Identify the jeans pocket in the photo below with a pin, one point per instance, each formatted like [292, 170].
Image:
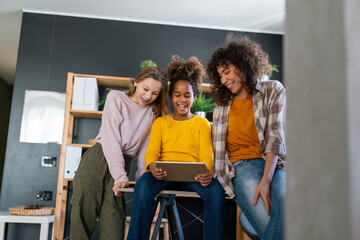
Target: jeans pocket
[240, 162]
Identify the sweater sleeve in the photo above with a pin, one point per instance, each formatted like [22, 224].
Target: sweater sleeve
[154, 145]
[111, 141]
[205, 148]
[141, 169]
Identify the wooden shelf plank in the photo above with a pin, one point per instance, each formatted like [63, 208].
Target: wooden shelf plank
[84, 146]
[205, 87]
[114, 82]
[109, 81]
[86, 114]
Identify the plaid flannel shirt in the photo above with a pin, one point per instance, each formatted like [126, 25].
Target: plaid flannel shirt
[269, 102]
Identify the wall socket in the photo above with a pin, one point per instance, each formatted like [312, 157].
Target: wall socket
[44, 195]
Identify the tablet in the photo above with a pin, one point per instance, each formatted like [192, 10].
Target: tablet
[181, 171]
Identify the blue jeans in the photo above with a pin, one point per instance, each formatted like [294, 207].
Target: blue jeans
[248, 174]
[146, 189]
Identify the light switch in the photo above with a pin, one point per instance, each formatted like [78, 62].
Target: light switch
[48, 161]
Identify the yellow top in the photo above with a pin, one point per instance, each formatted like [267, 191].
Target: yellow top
[242, 136]
[180, 141]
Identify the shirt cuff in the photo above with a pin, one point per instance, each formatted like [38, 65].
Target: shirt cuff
[122, 179]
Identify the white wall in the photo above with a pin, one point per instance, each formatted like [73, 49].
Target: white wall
[321, 58]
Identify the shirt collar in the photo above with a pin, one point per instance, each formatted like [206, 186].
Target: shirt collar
[260, 87]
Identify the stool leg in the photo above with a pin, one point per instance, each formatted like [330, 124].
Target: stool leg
[166, 231]
[177, 217]
[178, 223]
[163, 204]
[2, 229]
[44, 230]
[52, 231]
[151, 231]
[126, 229]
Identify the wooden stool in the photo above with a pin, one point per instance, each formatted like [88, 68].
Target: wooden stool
[6, 217]
[164, 225]
[166, 199]
[247, 227]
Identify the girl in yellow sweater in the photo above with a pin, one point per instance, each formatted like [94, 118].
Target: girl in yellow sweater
[184, 137]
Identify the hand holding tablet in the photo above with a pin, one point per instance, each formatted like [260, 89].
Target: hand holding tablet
[181, 171]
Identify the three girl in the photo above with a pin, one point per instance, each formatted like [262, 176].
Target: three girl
[248, 136]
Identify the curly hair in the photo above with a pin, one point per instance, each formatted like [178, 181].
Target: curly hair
[191, 70]
[245, 55]
[159, 106]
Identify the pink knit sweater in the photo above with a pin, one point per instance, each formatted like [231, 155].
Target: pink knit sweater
[125, 129]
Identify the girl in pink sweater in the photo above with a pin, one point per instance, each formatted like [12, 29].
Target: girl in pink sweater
[124, 134]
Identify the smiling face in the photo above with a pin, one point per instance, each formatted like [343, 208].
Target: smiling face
[146, 91]
[231, 77]
[182, 99]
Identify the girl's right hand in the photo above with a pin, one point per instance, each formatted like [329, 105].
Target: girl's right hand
[117, 186]
[158, 173]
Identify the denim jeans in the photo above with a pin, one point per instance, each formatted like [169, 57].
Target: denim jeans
[248, 174]
[146, 189]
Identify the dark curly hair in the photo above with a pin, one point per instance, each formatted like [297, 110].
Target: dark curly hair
[245, 55]
[191, 70]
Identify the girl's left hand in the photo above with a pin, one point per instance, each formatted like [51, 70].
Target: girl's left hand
[263, 191]
[204, 178]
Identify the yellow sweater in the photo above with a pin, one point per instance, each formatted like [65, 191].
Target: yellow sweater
[180, 141]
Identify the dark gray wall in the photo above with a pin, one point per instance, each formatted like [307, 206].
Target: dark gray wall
[5, 104]
[50, 46]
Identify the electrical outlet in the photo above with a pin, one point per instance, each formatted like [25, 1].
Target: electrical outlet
[47, 195]
[44, 195]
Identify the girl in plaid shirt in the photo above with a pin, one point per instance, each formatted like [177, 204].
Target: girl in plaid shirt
[249, 133]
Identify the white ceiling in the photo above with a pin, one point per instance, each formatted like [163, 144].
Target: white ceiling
[237, 15]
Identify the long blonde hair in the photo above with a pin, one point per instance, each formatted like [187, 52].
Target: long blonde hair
[160, 106]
